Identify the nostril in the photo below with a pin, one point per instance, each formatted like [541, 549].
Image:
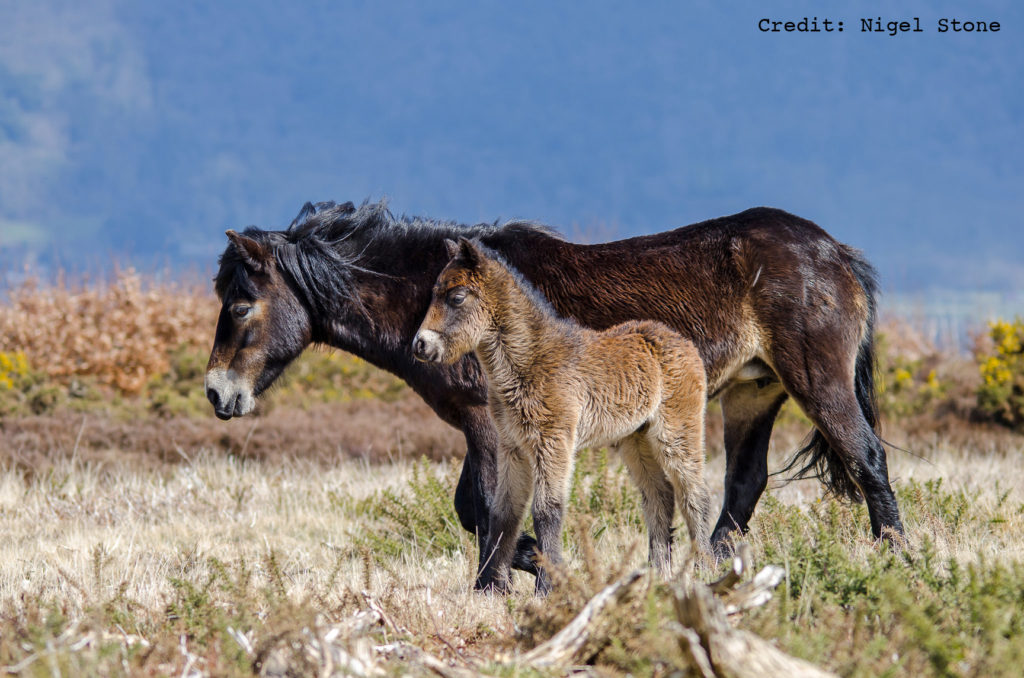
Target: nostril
[419, 346]
[212, 396]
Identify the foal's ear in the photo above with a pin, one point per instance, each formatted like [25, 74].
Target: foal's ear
[253, 254]
[469, 252]
[451, 247]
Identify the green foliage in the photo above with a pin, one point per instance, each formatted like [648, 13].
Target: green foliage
[421, 517]
[179, 391]
[331, 376]
[847, 603]
[889, 613]
[208, 604]
[24, 390]
[602, 488]
[1001, 364]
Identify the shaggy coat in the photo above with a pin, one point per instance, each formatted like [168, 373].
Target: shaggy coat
[554, 387]
[776, 307]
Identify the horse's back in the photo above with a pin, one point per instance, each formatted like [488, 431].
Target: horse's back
[729, 284]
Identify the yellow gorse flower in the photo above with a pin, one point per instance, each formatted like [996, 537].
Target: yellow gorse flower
[13, 367]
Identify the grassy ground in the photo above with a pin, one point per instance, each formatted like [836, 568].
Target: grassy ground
[219, 565]
[141, 536]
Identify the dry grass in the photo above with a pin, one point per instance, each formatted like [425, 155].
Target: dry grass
[124, 552]
[144, 537]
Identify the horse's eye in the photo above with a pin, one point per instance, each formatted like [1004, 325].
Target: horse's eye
[242, 310]
[457, 297]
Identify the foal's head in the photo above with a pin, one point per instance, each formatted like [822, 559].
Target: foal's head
[459, 314]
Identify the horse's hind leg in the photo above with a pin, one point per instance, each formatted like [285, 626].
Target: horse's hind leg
[680, 446]
[749, 411]
[656, 496]
[849, 446]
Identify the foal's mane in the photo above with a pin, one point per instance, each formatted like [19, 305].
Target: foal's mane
[328, 243]
[529, 290]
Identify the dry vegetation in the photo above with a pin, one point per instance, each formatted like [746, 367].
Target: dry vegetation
[144, 537]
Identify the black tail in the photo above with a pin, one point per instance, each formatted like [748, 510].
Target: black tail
[817, 458]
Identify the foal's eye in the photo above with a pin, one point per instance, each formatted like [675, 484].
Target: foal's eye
[242, 310]
[457, 297]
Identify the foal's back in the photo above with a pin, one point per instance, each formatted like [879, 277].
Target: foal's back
[633, 376]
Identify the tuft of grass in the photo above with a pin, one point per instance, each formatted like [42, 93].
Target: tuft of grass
[419, 517]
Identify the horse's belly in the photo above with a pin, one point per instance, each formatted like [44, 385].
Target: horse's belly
[609, 426]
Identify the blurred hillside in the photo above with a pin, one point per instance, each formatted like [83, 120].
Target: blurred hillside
[144, 130]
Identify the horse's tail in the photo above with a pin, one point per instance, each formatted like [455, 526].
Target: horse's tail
[818, 458]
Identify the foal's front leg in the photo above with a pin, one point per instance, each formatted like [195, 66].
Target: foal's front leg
[551, 492]
[514, 482]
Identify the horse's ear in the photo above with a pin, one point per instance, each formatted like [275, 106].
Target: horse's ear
[253, 254]
[469, 252]
[451, 247]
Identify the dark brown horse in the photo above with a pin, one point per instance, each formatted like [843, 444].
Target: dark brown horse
[776, 307]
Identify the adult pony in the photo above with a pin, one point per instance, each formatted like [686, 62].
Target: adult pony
[776, 307]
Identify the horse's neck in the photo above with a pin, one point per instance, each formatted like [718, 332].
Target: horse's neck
[379, 327]
[522, 334]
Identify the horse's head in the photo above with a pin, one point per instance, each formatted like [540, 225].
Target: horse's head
[262, 327]
[458, 315]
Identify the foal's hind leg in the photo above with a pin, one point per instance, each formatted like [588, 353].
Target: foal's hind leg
[656, 495]
[679, 446]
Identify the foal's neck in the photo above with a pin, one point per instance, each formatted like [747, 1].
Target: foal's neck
[523, 335]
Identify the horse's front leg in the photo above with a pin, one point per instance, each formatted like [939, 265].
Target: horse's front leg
[476, 489]
[551, 493]
[512, 491]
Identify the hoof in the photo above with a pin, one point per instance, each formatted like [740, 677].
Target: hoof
[526, 553]
[496, 587]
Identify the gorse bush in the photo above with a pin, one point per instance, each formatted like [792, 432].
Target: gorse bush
[420, 517]
[1001, 364]
[908, 382]
[914, 612]
[13, 369]
[24, 390]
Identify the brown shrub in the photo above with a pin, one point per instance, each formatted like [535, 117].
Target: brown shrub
[121, 332]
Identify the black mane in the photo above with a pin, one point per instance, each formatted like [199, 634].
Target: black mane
[327, 244]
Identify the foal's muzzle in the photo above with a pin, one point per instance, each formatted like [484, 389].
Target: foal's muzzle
[427, 347]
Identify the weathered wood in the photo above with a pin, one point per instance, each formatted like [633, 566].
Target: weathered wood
[561, 648]
[733, 653]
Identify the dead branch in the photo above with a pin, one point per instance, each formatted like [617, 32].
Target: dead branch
[561, 648]
[729, 652]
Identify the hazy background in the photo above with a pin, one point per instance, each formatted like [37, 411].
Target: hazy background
[143, 130]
